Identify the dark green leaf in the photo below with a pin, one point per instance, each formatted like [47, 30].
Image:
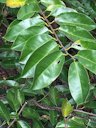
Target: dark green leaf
[4, 112]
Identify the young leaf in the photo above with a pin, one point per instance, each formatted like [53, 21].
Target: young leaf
[67, 109]
[48, 70]
[4, 112]
[88, 59]
[78, 82]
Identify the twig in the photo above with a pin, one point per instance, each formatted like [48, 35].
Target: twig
[23, 106]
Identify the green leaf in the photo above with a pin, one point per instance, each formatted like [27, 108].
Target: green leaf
[58, 10]
[91, 105]
[88, 59]
[78, 82]
[24, 41]
[76, 19]
[36, 57]
[22, 124]
[76, 33]
[20, 96]
[54, 96]
[53, 117]
[67, 109]
[30, 113]
[87, 44]
[10, 83]
[27, 11]
[4, 112]
[74, 122]
[52, 63]
[51, 2]
[17, 27]
[30, 47]
[15, 98]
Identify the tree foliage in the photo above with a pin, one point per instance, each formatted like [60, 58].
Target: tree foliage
[52, 46]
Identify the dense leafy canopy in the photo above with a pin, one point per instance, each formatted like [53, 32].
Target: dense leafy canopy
[52, 46]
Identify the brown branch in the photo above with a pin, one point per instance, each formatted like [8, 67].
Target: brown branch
[45, 107]
[54, 33]
[23, 106]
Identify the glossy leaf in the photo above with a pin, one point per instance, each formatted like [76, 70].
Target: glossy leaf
[18, 27]
[4, 112]
[52, 63]
[78, 82]
[24, 41]
[76, 33]
[22, 124]
[59, 10]
[67, 109]
[88, 59]
[37, 56]
[76, 19]
[27, 11]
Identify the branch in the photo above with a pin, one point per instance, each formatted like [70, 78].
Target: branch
[54, 33]
[23, 106]
[45, 107]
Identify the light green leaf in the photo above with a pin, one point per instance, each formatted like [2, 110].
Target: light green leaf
[67, 109]
[78, 82]
[52, 63]
[17, 27]
[37, 56]
[4, 112]
[76, 19]
[27, 11]
[22, 124]
[76, 33]
[88, 59]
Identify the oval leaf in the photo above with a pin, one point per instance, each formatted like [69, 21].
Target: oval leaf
[48, 70]
[67, 109]
[78, 82]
